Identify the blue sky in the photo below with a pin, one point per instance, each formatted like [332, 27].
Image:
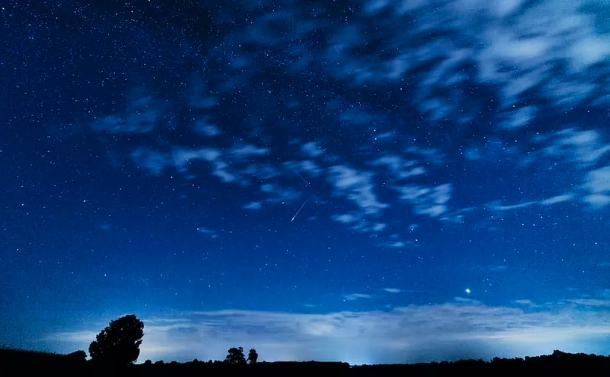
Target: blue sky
[365, 181]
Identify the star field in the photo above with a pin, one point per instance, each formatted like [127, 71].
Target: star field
[364, 181]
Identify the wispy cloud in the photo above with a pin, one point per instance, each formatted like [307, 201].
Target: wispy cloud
[590, 302]
[246, 151]
[356, 221]
[182, 156]
[253, 205]
[357, 187]
[209, 232]
[141, 115]
[279, 193]
[221, 170]
[583, 148]
[393, 290]
[399, 167]
[150, 159]
[395, 244]
[203, 126]
[356, 296]
[525, 302]
[557, 199]
[311, 149]
[597, 182]
[496, 206]
[429, 201]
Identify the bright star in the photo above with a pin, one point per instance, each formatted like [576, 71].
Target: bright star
[467, 290]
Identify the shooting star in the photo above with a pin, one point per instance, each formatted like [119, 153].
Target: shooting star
[299, 174]
[296, 214]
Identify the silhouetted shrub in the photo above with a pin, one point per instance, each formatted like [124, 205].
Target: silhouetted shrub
[79, 356]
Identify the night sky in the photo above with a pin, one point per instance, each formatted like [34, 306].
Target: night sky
[363, 181]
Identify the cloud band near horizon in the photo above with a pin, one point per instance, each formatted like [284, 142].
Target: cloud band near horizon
[462, 328]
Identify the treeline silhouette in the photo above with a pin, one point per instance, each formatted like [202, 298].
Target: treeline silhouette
[116, 348]
[14, 362]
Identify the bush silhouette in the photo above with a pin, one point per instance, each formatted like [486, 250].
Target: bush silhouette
[235, 356]
[79, 356]
[119, 343]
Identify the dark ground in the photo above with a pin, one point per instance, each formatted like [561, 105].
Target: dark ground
[18, 362]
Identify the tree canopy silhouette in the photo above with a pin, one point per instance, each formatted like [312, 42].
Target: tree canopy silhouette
[252, 356]
[235, 356]
[119, 343]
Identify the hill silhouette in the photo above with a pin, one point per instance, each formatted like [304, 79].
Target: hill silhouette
[14, 362]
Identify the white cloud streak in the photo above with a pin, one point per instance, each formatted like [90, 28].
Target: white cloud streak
[357, 187]
[597, 182]
[393, 290]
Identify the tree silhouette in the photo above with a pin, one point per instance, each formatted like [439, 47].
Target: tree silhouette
[119, 343]
[235, 356]
[252, 356]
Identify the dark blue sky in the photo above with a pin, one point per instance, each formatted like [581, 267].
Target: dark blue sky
[365, 181]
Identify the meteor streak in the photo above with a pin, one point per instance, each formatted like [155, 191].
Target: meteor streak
[296, 214]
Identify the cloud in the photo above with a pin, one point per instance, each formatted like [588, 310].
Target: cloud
[525, 302]
[597, 182]
[311, 149]
[150, 159]
[395, 244]
[198, 99]
[496, 206]
[427, 201]
[597, 200]
[182, 156]
[356, 222]
[304, 169]
[206, 128]
[279, 194]
[357, 187]
[458, 329]
[253, 206]
[583, 148]
[247, 150]
[210, 232]
[399, 167]
[590, 302]
[393, 290]
[356, 296]
[557, 199]
[220, 169]
[142, 114]
[345, 218]
[518, 118]
[475, 32]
